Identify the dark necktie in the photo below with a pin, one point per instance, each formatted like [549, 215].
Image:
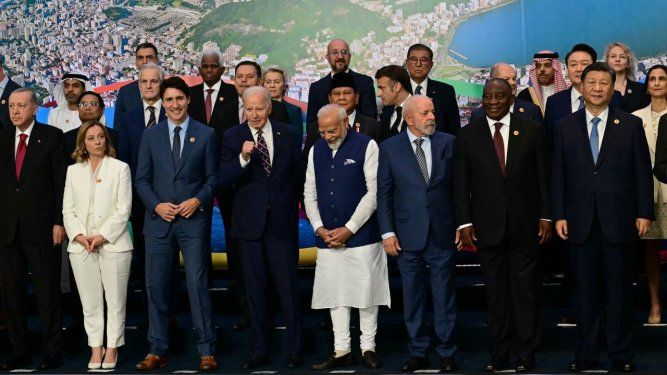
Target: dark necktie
[418, 90]
[209, 105]
[151, 118]
[595, 139]
[20, 154]
[263, 152]
[397, 122]
[176, 147]
[581, 102]
[500, 146]
[421, 158]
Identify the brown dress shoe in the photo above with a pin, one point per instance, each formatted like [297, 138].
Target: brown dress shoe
[152, 362]
[207, 363]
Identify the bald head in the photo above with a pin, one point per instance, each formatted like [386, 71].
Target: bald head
[505, 71]
[338, 55]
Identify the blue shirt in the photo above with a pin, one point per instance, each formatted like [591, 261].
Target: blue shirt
[184, 131]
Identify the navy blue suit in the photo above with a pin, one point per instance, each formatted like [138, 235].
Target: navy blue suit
[523, 109]
[318, 96]
[158, 180]
[265, 220]
[601, 202]
[559, 106]
[128, 98]
[422, 217]
[447, 117]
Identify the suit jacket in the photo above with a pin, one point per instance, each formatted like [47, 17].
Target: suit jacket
[635, 97]
[32, 205]
[158, 181]
[385, 123]
[113, 202]
[523, 109]
[4, 103]
[406, 204]
[497, 204]
[130, 130]
[362, 124]
[128, 98]
[617, 189]
[318, 95]
[559, 106]
[447, 117]
[271, 199]
[70, 142]
[660, 166]
[225, 108]
[645, 115]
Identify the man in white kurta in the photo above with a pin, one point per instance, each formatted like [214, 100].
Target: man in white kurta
[340, 200]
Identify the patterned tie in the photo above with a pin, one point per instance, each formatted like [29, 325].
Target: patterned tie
[397, 122]
[209, 105]
[151, 118]
[176, 147]
[581, 102]
[20, 154]
[595, 139]
[263, 152]
[418, 90]
[421, 158]
[500, 146]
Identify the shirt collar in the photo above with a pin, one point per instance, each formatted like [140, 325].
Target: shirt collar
[414, 85]
[332, 73]
[215, 87]
[27, 131]
[351, 117]
[602, 116]
[574, 95]
[266, 129]
[505, 120]
[183, 126]
[412, 137]
[157, 105]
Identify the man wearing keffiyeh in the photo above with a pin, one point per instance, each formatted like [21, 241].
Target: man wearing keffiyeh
[546, 79]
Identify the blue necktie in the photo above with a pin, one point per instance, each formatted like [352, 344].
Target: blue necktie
[595, 139]
[176, 147]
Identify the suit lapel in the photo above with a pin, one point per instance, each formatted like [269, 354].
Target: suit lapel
[436, 150]
[35, 144]
[513, 143]
[9, 148]
[163, 134]
[487, 146]
[585, 138]
[278, 143]
[610, 131]
[188, 143]
[410, 156]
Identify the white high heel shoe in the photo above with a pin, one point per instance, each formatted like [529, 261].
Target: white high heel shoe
[97, 365]
[111, 365]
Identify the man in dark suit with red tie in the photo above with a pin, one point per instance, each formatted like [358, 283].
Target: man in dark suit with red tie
[419, 63]
[32, 181]
[602, 191]
[503, 208]
[393, 88]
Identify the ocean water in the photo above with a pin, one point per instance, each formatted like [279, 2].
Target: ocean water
[512, 33]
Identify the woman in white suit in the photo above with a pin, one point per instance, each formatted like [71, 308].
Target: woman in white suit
[96, 210]
[656, 86]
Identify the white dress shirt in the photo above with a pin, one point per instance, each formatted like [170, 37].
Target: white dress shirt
[574, 99]
[147, 113]
[504, 130]
[368, 202]
[267, 133]
[602, 125]
[393, 115]
[351, 117]
[214, 93]
[547, 91]
[17, 138]
[423, 85]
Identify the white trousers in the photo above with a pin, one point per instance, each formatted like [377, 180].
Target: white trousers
[102, 276]
[368, 323]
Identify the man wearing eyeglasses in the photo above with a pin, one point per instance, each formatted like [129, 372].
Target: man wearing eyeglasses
[91, 108]
[419, 63]
[338, 55]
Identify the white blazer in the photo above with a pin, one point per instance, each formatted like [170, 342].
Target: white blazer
[113, 204]
[645, 115]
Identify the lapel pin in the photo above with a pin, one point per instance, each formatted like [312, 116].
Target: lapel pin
[192, 139]
[278, 133]
[516, 132]
[3, 101]
[357, 126]
[221, 99]
[39, 140]
[616, 122]
[521, 109]
[629, 91]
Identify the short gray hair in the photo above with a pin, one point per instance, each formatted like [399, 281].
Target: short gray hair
[255, 90]
[152, 65]
[331, 109]
[211, 53]
[21, 90]
[409, 103]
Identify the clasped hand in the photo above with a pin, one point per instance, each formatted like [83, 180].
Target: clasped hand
[169, 211]
[335, 237]
[90, 243]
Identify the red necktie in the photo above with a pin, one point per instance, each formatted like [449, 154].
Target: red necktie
[500, 146]
[20, 154]
[209, 105]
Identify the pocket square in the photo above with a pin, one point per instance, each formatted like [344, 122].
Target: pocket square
[349, 161]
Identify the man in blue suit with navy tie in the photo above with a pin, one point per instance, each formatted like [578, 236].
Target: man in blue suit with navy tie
[416, 220]
[602, 194]
[175, 178]
[261, 159]
[129, 95]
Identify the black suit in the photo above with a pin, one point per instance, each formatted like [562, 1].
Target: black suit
[30, 208]
[447, 117]
[386, 129]
[362, 124]
[128, 97]
[225, 113]
[635, 97]
[505, 211]
[4, 103]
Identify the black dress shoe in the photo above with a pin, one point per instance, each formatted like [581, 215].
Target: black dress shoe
[624, 366]
[415, 363]
[579, 366]
[494, 366]
[294, 362]
[448, 364]
[255, 362]
[346, 360]
[524, 364]
[241, 325]
[12, 363]
[371, 359]
[50, 363]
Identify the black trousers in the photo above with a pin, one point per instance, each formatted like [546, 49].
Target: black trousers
[225, 198]
[44, 262]
[512, 277]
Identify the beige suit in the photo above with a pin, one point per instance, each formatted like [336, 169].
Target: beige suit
[100, 203]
